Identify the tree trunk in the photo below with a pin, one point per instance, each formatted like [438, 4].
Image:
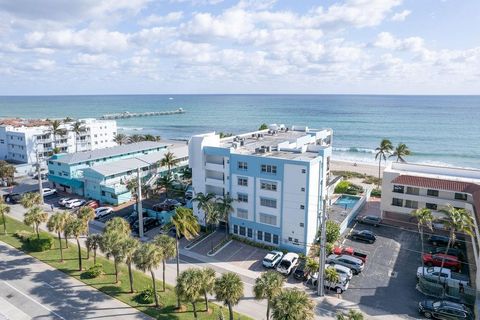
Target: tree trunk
[66, 240]
[60, 242]
[37, 231]
[194, 309]
[95, 256]
[178, 266]
[423, 249]
[154, 289]
[443, 260]
[268, 309]
[230, 310]
[130, 275]
[88, 253]
[4, 223]
[206, 300]
[79, 255]
[379, 167]
[116, 269]
[163, 265]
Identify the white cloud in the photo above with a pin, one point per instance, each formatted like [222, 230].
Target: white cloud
[159, 20]
[401, 16]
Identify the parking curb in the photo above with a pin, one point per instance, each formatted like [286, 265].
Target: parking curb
[195, 244]
[215, 253]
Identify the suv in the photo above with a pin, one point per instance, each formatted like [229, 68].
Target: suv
[342, 270]
[300, 272]
[364, 235]
[339, 287]
[355, 264]
[272, 259]
[75, 203]
[289, 261]
[371, 220]
[148, 224]
[444, 310]
[12, 198]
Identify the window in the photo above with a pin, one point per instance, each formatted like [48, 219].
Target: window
[302, 206]
[302, 189]
[304, 171]
[235, 229]
[242, 182]
[260, 235]
[398, 189]
[302, 224]
[432, 193]
[51, 172]
[412, 190]
[268, 219]
[266, 168]
[242, 165]
[397, 202]
[411, 204]
[271, 203]
[103, 193]
[242, 214]
[295, 241]
[242, 231]
[275, 239]
[267, 185]
[250, 233]
[268, 237]
[242, 197]
[431, 206]
[290, 239]
[460, 196]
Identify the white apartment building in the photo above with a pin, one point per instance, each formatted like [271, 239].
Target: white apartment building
[277, 177]
[22, 140]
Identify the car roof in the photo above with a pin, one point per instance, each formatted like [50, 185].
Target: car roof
[340, 267]
[454, 305]
[372, 217]
[290, 255]
[353, 259]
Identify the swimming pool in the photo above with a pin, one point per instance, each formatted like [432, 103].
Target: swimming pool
[347, 202]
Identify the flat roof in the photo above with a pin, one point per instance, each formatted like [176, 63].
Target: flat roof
[71, 158]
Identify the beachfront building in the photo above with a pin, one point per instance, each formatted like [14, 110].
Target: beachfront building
[277, 177]
[102, 174]
[408, 186]
[27, 141]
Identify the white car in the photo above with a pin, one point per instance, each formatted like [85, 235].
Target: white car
[288, 263]
[49, 192]
[102, 211]
[75, 203]
[272, 259]
[447, 275]
[339, 287]
[341, 270]
[64, 201]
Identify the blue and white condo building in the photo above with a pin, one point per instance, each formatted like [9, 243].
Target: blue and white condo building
[277, 176]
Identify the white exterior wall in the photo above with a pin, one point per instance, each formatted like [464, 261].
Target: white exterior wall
[313, 201]
[101, 134]
[276, 195]
[249, 190]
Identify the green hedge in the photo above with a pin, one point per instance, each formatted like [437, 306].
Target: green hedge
[347, 187]
[146, 296]
[32, 243]
[94, 271]
[376, 193]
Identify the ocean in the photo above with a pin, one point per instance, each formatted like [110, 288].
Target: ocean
[439, 130]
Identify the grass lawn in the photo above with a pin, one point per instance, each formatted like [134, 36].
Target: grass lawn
[106, 283]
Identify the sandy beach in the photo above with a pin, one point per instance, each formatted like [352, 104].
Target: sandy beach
[361, 167]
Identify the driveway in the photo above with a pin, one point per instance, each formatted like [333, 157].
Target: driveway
[32, 289]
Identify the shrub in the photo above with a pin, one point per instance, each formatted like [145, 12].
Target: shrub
[146, 296]
[253, 243]
[376, 193]
[328, 248]
[372, 180]
[38, 245]
[342, 186]
[94, 271]
[333, 231]
[23, 235]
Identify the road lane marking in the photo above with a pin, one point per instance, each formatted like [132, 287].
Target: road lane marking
[32, 299]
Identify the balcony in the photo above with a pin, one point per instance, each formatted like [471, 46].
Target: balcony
[115, 188]
[214, 166]
[217, 182]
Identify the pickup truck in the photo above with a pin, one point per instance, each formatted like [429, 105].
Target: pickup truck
[351, 252]
[339, 287]
[447, 275]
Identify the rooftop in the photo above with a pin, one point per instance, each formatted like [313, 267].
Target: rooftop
[295, 143]
[18, 122]
[77, 157]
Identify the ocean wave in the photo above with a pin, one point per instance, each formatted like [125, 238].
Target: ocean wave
[354, 149]
[129, 128]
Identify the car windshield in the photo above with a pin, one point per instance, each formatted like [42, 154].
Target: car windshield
[267, 260]
[285, 264]
[437, 304]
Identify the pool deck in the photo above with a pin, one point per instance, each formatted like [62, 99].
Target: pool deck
[338, 212]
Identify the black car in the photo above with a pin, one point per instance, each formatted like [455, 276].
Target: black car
[299, 272]
[364, 235]
[444, 310]
[131, 219]
[12, 198]
[148, 224]
[451, 252]
[442, 241]
[371, 220]
[167, 205]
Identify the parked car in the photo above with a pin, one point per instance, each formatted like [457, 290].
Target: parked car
[63, 201]
[355, 264]
[102, 212]
[272, 259]
[341, 270]
[92, 204]
[12, 198]
[167, 205]
[49, 192]
[300, 273]
[288, 262]
[371, 220]
[451, 252]
[437, 240]
[447, 275]
[75, 203]
[351, 252]
[364, 235]
[450, 262]
[131, 219]
[340, 286]
[148, 224]
[189, 194]
[443, 309]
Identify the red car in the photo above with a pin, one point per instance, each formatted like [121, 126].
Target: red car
[451, 262]
[92, 204]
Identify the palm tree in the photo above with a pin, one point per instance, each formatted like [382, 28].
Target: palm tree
[383, 151]
[93, 243]
[56, 223]
[424, 219]
[169, 161]
[67, 120]
[331, 275]
[185, 225]
[119, 225]
[129, 246]
[311, 266]
[4, 209]
[77, 228]
[149, 137]
[400, 152]
[120, 139]
[292, 304]
[68, 218]
[207, 283]
[30, 200]
[33, 217]
[165, 182]
[186, 173]
[268, 286]
[167, 245]
[87, 214]
[458, 220]
[351, 315]
[135, 138]
[202, 201]
[229, 289]
[225, 207]
[116, 231]
[189, 287]
[147, 258]
[77, 128]
[56, 129]
[213, 213]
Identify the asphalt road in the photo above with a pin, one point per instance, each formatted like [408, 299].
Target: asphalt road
[32, 289]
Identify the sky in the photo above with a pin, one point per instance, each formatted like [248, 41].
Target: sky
[57, 47]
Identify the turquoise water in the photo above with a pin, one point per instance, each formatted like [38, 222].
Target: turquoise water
[347, 202]
[441, 130]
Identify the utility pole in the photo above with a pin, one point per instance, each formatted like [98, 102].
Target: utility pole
[323, 237]
[139, 204]
[39, 174]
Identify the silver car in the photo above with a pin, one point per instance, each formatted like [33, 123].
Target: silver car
[355, 264]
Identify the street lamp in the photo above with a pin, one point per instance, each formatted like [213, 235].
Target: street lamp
[323, 236]
[39, 174]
